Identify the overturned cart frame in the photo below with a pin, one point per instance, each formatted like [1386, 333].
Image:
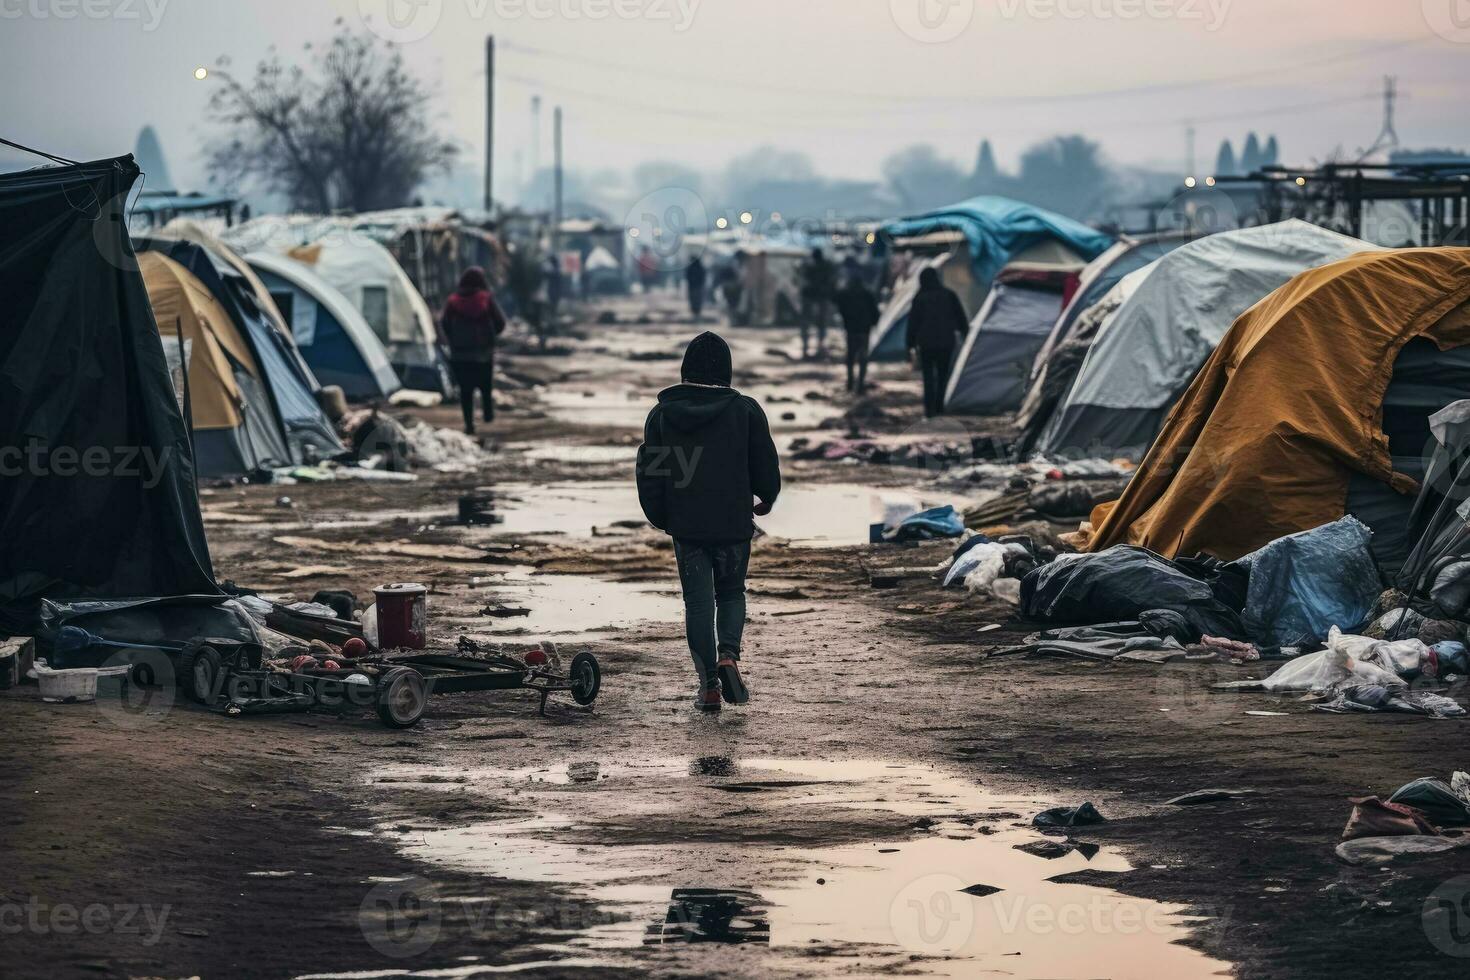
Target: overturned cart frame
[227, 676]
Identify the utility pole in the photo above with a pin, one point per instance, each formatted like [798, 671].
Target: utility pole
[556, 212]
[1189, 150]
[489, 122]
[535, 148]
[1388, 137]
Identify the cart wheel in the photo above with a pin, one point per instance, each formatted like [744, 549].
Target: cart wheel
[200, 671]
[586, 678]
[402, 697]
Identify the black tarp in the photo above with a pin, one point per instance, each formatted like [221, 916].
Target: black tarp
[97, 487]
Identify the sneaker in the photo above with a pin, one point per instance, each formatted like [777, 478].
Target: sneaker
[731, 683]
[708, 699]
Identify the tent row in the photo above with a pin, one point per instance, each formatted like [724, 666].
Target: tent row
[1088, 340]
[337, 265]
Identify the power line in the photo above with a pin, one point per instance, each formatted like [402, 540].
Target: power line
[966, 100]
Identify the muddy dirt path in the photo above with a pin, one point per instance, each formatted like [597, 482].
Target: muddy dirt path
[867, 814]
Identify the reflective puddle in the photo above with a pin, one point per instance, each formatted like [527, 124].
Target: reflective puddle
[560, 606]
[907, 867]
[814, 515]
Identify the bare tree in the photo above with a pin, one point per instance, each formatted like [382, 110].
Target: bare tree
[350, 131]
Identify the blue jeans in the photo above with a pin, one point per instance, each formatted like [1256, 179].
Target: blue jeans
[712, 576]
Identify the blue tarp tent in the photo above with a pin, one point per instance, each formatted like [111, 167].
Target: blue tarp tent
[994, 230]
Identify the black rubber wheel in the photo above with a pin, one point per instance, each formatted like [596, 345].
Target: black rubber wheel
[201, 672]
[586, 678]
[402, 697]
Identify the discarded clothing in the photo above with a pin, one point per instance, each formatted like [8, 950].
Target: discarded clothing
[1122, 583]
[1371, 817]
[939, 522]
[1451, 657]
[1063, 816]
[1236, 650]
[1304, 584]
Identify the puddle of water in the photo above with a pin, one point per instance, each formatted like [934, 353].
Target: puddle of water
[832, 515]
[593, 406]
[808, 515]
[953, 899]
[564, 605]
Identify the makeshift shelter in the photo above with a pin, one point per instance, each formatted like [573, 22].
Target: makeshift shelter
[335, 340]
[100, 503]
[1293, 402]
[1147, 353]
[989, 375]
[979, 237]
[373, 281]
[1060, 357]
[236, 429]
[288, 382]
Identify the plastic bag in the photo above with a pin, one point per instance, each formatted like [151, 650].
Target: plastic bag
[1333, 667]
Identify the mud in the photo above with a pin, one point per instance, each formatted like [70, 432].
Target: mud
[860, 817]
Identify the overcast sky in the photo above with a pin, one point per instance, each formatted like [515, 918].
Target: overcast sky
[846, 81]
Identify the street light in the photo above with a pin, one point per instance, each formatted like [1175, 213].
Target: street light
[201, 73]
[1188, 181]
[746, 217]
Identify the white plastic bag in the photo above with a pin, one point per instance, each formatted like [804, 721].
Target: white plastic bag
[1336, 665]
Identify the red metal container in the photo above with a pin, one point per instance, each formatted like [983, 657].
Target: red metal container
[403, 616]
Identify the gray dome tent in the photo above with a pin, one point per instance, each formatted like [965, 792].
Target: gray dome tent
[1145, 356]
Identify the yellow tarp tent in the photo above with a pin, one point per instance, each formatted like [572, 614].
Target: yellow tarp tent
[1263, 442]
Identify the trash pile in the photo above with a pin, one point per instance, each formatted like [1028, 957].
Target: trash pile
[1425, 816]
[1289, 601]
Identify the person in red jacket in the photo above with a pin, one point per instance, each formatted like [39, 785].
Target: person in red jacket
[470, 322]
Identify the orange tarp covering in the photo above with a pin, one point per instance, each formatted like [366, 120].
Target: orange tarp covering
[1263, 442]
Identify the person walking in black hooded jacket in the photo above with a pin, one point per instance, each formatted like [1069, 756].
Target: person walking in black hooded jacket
[937, 325]
[706, 467]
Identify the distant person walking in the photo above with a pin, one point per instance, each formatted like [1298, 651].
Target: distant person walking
[695, 277]
[706, 466]
[937, 325]
[858, 308]
[818, 283]
[471, 322]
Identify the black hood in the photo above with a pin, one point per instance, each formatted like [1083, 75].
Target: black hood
[692, 407]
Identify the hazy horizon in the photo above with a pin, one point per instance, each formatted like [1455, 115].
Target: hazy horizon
[846, 82]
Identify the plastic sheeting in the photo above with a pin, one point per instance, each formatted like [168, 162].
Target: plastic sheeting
[82, 369]
[1123, 583]
[997, 229]
[1304, 584]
